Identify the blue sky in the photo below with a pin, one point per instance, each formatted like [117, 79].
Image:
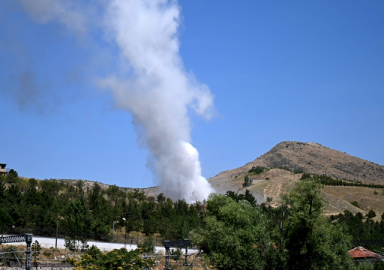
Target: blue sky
[310, 71]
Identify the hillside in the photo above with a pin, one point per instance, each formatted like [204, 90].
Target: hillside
[317, 159]
[288, 160]
[88, 185]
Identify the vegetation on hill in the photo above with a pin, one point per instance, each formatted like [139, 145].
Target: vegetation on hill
[329, 181]
[311, 158]
[232, 230]
[317, 159]
[238, 235]
[257, 170]
[90, 213]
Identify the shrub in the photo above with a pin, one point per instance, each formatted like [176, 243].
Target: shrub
[176, 254]
[247, 182]
[371, 214]
[147, 245]
[117, 259]
[355, 203]
[257, 169]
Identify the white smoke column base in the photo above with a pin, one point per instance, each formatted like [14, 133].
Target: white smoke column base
[180, 174]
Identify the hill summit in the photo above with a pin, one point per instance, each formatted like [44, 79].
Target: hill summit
[302, 157]
[315, 158]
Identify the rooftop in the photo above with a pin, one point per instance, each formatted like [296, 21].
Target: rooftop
[362, 253]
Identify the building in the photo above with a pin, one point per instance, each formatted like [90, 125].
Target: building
[360, 254]
[3, 169]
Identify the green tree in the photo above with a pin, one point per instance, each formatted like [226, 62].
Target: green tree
[371, 214]
[32, 183]
[5, 219]
[239, 197]
[74, 222]
[355, 203]
[149, 216]
[13, 198]
[12, 176]
[52, 187]
[100, 212]
[147, 245]
[313, 242]
[234, 235]
[160, 198]
[133, 216]
[36, 250]
[247, 182]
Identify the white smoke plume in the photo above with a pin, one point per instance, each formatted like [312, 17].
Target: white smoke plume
[160, 92]
[154, 87]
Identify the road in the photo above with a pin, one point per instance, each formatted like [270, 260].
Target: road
[103, 246]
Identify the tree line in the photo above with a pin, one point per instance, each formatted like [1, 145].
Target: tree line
[237, 234]
[232, 229]
[33, 204]
[329, 181]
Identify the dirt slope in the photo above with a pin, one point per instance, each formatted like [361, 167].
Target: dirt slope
[310, 158]
[318, 159]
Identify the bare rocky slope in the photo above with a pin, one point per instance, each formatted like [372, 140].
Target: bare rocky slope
[289, 157]
[313, 158]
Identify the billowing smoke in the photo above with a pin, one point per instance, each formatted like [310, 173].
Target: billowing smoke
[152, 84]
[159, 92]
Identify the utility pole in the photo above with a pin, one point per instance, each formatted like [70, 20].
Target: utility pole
[57, 229]
[125, 236]
[113, 229]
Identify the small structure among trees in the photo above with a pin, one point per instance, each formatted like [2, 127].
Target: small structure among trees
[3, 169]
[360, 254]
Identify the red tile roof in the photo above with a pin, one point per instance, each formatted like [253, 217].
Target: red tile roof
[361, 253]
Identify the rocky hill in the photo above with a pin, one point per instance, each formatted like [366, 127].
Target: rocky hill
[288, 160]
[316, 159]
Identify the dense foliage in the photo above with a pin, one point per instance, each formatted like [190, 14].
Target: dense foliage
[257, 170]
[89, 212]
[237, 235]
[118, 259]
[329, 181]
[232, 230]
[361, 227]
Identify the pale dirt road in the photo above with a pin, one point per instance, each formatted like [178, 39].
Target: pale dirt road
[103, 246]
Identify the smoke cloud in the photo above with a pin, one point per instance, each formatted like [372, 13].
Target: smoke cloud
[159, 92]
[151, 84]
[65, 12]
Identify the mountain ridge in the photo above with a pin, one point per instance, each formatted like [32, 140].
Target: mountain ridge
[315, 158]
[285, 164]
